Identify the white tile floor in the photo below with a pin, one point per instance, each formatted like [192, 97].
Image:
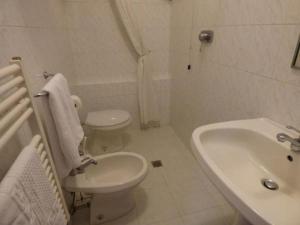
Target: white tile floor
[177, 193]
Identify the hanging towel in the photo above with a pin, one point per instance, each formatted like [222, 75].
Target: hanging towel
[66, 120]
[61, 164]
[26, 195]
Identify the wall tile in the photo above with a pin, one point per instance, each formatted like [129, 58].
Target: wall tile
[244, 73]
[121, 95]
[34, 30]
[104, 58]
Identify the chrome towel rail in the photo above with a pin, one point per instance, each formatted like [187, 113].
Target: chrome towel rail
[46, 75]
[40, 94]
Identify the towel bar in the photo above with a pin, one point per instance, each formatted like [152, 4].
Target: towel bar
[46, 75]
[40, 94]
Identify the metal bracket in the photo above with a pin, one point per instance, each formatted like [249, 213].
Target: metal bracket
[206, 36]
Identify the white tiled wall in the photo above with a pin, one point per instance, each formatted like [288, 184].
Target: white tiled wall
[120, 95]
[34, 30]
[101, 54]
[244, 73]
[104, 57]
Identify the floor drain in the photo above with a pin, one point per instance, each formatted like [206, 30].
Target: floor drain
[100, 217]
[270, 184]
[157, 163]
[290, 158]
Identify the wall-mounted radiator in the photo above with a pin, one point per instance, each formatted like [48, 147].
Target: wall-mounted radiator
[16, 108]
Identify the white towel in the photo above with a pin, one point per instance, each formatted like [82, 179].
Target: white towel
[26, 195]
[67, 123]
[61, 164]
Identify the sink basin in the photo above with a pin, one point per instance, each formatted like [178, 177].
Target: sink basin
[238, 155]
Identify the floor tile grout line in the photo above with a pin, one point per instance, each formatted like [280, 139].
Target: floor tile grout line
[167, 220]
[173, 197]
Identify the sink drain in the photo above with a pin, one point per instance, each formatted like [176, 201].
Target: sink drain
[270, 184]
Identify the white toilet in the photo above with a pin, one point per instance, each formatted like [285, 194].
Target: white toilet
[111, 182]
[107, 128]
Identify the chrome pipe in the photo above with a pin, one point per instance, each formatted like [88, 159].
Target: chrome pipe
[42, 93]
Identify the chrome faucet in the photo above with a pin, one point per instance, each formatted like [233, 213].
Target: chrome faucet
[295, 142]
[86, 162]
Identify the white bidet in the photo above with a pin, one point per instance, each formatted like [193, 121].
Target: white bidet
[111, 182]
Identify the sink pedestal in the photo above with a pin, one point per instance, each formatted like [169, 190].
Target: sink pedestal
[240, 220]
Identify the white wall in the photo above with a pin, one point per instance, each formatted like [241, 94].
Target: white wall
[37, 31]
[121, 95]
[105, 62]
[51, 35]
[34, 30]
[244, 73]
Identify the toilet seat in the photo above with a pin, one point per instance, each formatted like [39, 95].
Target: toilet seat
[108, 119]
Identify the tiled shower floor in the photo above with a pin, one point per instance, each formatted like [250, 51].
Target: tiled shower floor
[177, 193]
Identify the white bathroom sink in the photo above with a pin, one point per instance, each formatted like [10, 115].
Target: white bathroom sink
[237, 155]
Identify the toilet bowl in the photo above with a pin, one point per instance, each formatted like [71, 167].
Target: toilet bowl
[107, 128]
[111, 182]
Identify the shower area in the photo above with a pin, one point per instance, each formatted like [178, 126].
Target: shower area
[121, 64]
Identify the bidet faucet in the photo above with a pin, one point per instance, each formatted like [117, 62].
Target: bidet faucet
[86, 162]
[295, 142]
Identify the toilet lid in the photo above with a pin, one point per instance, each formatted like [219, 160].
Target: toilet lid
[107, 118]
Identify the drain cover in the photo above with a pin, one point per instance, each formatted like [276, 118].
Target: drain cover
[270, 184]
[100, 217]
[156, 163]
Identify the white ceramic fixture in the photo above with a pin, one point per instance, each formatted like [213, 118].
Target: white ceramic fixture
[111, 182]
[108, 128]
[238, 155]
